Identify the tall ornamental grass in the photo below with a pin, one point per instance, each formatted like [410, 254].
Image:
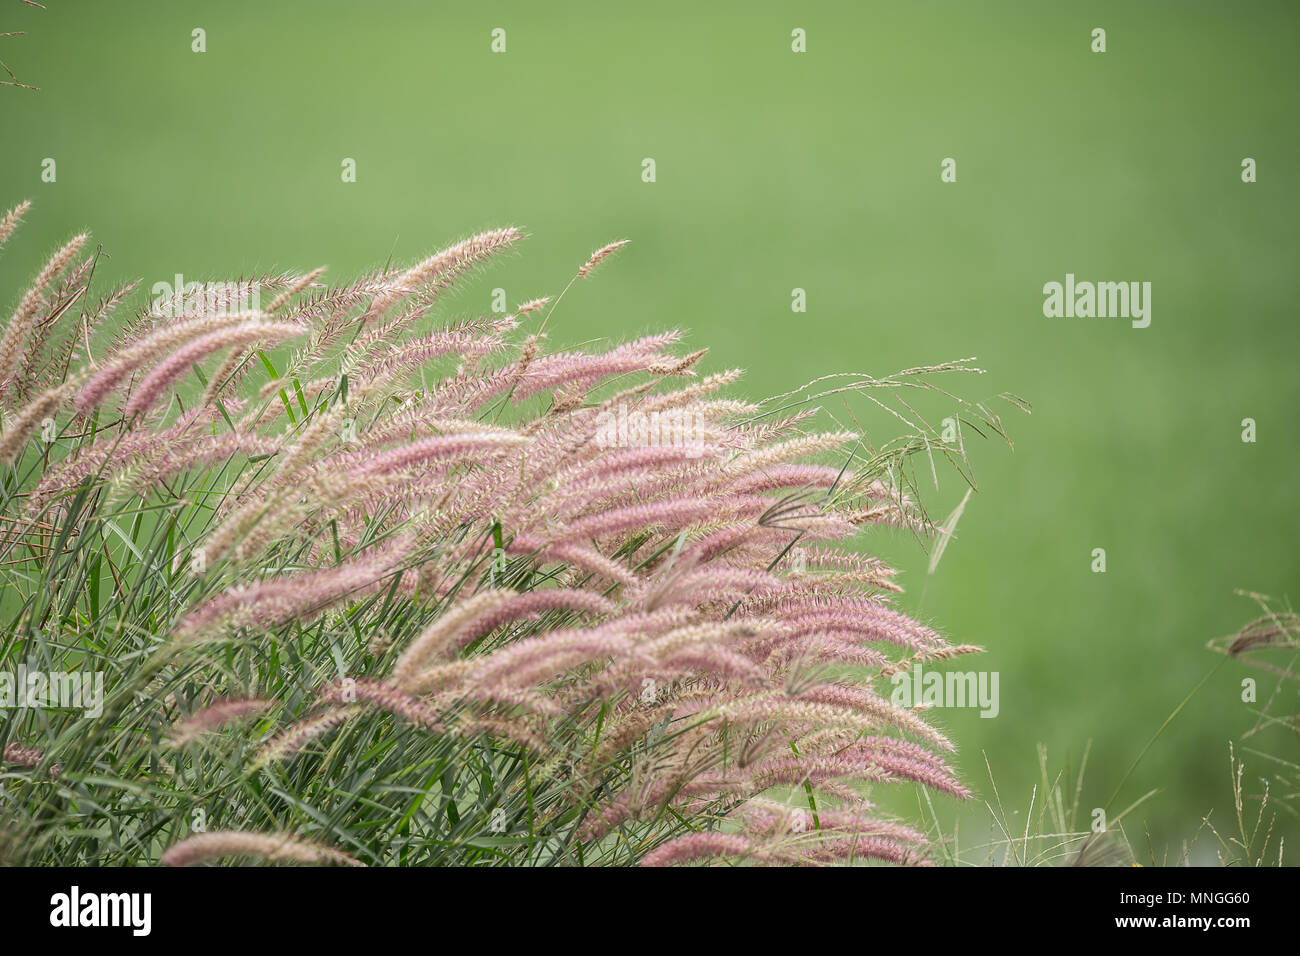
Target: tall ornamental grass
[363, 585]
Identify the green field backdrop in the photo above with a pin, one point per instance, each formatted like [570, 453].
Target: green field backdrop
[778, 170]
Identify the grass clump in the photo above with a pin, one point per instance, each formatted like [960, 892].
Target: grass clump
[336, 580]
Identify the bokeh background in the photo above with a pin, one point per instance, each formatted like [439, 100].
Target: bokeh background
[821, 171]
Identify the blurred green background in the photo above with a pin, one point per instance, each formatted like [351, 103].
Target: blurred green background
[821, 171]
